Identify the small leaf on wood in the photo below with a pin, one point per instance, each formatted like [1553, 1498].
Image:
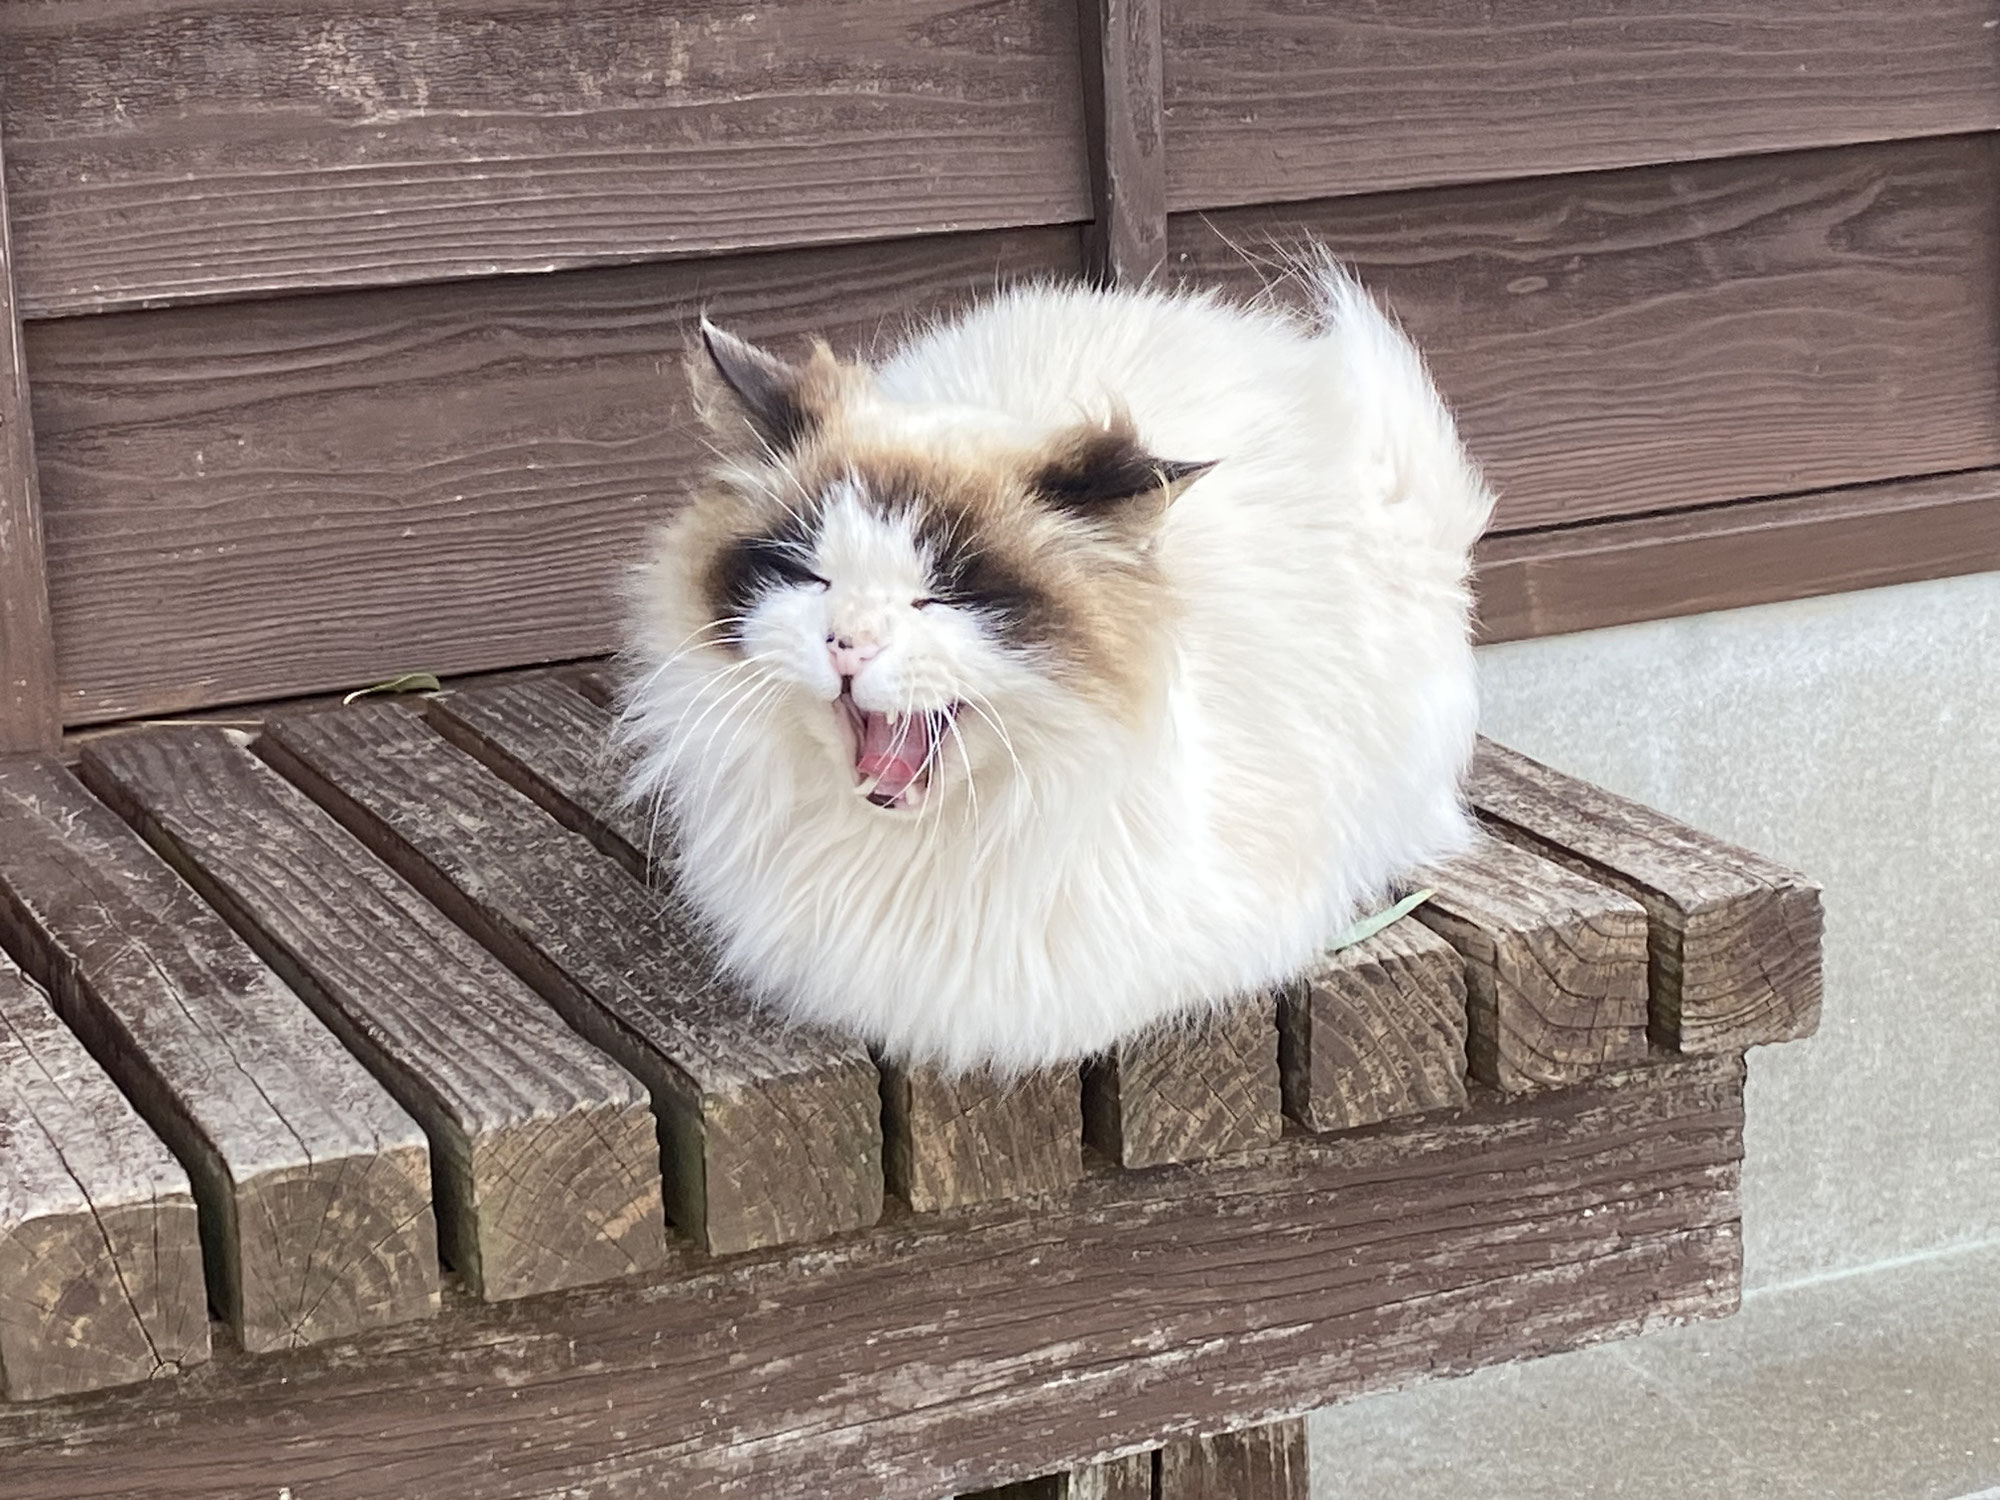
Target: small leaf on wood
[409, 682]
[1367, 927]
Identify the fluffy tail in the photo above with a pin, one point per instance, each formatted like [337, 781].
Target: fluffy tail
[1422, 461]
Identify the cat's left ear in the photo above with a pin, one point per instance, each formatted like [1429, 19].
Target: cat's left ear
[1102, 472]
[783, 404]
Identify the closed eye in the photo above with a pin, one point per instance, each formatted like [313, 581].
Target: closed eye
[778, 561]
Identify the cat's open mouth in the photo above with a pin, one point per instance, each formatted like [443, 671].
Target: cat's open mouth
[894, 755]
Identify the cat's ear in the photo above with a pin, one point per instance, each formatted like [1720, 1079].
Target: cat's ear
[782, 403]
[1102, 471]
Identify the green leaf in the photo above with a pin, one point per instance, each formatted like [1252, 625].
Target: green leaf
[409, 682]
[1367, 927]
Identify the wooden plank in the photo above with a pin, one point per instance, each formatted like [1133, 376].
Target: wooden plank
[1124, 137]
[213, 151]
[1128, 1478]
[544, 1164]
[1375, 1031]
[924, 1358]
[1722, 557]
[1555, 965]
[313, 1186]
[28, 715]
[100, 1259]
[1257, 1463]
[1733, 937]
[285, 497]
[769, 1134]
[948, 1142]
[1647, 340]
[1188, 1091]
[1268, 101]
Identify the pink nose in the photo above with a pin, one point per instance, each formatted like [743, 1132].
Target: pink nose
[851, 653]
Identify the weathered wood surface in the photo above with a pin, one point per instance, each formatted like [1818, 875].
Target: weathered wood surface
[948, 1142]
[1269, 101]
[1188, 1091]
[910, 1363]
[1733, 937]
[544, 1160]
[1555, 965]
[769, 1135]
[1535, 583]
[199, 150]
[1124, 138]
[100, 1256]
[29, 719]
[1128, 1478]
[313, 1186]
[283, 497]
[1375, 1031]
[542, 736]
[1256, 1463]
[1615, 343]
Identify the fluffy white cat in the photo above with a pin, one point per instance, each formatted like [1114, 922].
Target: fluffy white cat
[1093, 660]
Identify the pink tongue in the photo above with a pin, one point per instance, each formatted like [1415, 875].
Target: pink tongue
[892, 751]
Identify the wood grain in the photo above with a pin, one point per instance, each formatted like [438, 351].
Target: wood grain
[952, 1141]
[1536, 583]
[1268, 100]
[1642, 341]
[313, 1186]
[186, 151]
[1733, 938]
[284, 497]
[1128, 1478]
[1555, 965]
[769, 1135]
[908, 1363]
[100, 1257]
[1375, 1031]
[29, 719]
[1122, 116]
[1256, 1463]
[1191, 1090]
[544, 1163]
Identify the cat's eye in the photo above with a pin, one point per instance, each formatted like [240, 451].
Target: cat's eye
[926, 603]
[781, 562]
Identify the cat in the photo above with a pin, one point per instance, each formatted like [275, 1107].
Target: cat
[1092, 660]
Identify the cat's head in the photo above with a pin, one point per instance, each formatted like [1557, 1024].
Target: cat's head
[900, 598]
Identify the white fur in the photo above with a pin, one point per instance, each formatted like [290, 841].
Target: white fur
[1072, 878]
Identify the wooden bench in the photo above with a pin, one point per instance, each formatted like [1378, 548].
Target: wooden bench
[391, 1001]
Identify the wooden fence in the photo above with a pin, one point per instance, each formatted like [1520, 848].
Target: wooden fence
[349, 336]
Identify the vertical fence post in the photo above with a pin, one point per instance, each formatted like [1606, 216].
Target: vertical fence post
[1125, 118]
[29, 718]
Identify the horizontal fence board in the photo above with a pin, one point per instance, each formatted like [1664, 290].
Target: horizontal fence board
[1535, 583]
[1269, 100]
[1673, 336]
[282, 497]
[190, 151]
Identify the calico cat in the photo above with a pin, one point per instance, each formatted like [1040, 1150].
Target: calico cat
[1092, 660]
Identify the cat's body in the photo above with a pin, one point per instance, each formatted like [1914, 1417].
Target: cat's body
[1176, 725]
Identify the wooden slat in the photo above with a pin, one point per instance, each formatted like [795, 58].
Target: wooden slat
[1123, 129]
[1722, 557]
[946, 1141]
[1128, 1478]
[1734, 938]
[544, 1162]
[1375, 1031]
[1673, 336]
[1555, 965]
[952, 1141]
[100, 1258]
[1188, 1091]
[920, 1360]
[313, 1186]
[769, 1135]
[284, 497]
[1257, 1463]
[29, 719]
[207, 150]
[1268, 101]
